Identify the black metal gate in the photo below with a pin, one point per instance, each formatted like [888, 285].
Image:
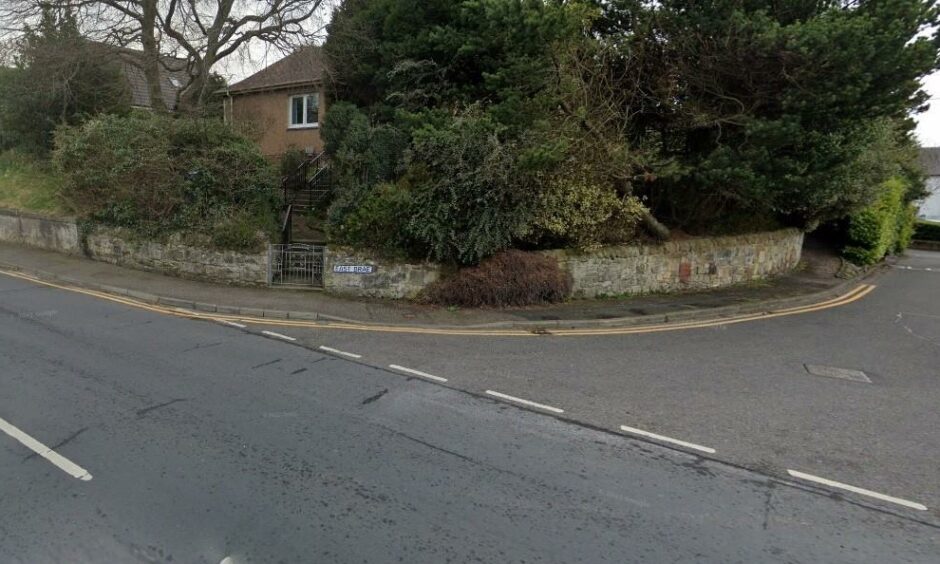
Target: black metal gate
[295, 264]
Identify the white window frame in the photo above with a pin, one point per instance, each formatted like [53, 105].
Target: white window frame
[290, 111]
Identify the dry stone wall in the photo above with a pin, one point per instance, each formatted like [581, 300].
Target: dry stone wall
[178, 259]
[691, 264]
[119, 247]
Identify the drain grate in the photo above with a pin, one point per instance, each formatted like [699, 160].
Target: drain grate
[835, 372]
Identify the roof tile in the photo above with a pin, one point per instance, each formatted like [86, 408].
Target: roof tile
[302, 66]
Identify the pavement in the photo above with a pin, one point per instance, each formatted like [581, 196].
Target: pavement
[131, 435]
[813, 281]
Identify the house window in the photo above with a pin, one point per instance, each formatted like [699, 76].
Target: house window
[304, 110]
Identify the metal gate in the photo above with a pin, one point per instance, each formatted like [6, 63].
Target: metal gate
[295, 264]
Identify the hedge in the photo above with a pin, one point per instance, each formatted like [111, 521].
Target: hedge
[927, 231]
[881, 228]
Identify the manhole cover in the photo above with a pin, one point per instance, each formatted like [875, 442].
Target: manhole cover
[835, 372]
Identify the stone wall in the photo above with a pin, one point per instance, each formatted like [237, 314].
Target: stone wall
[178, 259]
[389, 279]
[691, 264]
[33, 230]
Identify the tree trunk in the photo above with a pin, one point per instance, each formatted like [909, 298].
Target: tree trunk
[653, 226]
[151, 61]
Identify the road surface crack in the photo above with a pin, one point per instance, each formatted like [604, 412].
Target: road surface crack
[458, 455]
[146, 410]
[371, 399]
[61, 443]
[912, 333]
[202, 346]
[269, 363]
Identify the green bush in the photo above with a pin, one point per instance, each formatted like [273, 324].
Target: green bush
[470, 198]
[361, 157]
[511, 278]
[379, 222]
[927, 231]
[881, 228]
[242, 231]
[907, 220]
[337, 123]
[158, 175]
[291, 160]
[575, 211]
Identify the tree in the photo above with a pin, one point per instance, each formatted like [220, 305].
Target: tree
[204, 32]
[409, 54]
[772, 104]
[207, 32]
[57, 79]
[708, 116]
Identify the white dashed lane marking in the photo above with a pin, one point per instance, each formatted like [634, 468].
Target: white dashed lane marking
[666, 439]
[521, 401]
[278, 336]
[417, 373]
[337, 351]
[856, 489]
[233, 324]
[60, 462]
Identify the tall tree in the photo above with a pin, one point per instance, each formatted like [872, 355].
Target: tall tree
[57, 79]
[204, 32]
[772, 107]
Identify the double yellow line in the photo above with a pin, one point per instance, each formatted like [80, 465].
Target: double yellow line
[855, 294]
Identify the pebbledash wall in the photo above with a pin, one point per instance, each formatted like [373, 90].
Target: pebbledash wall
[691, 264]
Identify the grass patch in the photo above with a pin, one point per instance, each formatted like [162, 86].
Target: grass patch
[28, 184]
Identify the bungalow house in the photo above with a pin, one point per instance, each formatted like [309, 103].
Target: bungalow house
[173, 76]
[282, 105]
[930, 162]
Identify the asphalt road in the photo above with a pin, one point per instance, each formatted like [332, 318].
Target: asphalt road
[204, 442]
[742, 389]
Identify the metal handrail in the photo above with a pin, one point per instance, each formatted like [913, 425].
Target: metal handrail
[303, 171]
[287, 224]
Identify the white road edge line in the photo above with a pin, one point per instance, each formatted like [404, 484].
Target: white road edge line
[855, 489]
[232, 323]
[62, 463]
[417, 373]
[666, 439]
[337, 351]
[524, 402]
[278, 335]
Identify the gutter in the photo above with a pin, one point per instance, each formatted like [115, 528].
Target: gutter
[266, 88]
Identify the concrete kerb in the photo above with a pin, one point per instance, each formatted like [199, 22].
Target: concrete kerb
[711, 314]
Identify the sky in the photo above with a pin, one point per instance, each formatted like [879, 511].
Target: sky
[928, 123]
